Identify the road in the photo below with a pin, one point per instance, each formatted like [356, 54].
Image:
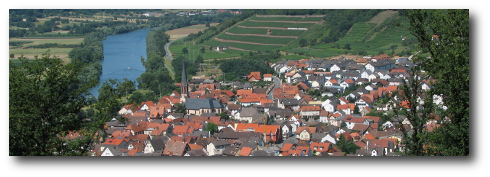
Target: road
[277, 84]
[168, 55]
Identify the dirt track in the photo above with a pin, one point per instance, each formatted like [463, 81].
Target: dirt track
[240, 26]
[223, 40]
[286, 21]
[262, 35]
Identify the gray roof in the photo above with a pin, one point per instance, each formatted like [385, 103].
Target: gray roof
[198, 103]
[247, 85]
[197, 152]
[290, 102]
[221, 142]
[230, 150]
[248, 112]
[158, 143]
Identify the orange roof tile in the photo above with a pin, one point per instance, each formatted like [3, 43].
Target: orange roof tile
[114, 141]
[286, 147]
[342, 106]
[369, 136]
[245, 151]
[319, 147]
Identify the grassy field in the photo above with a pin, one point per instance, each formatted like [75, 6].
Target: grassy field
[207, 55]
[62, 53]
[312, 19]
[44, 41]
[358, 33]
[274, 32]
[242, 46]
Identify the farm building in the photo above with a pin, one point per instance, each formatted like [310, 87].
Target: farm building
[221, 48]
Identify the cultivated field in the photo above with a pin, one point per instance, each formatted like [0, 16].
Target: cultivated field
[62, 53]
[182, 32]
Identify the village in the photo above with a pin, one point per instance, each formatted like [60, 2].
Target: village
[309, 107]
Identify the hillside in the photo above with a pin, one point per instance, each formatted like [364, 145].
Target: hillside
[306, 36]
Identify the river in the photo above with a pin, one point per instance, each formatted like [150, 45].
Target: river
[122, 57]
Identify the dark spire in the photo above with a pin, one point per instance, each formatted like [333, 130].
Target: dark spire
[184, 75]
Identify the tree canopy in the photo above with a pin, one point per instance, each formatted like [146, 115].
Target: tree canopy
[444, 34]
[45, 106]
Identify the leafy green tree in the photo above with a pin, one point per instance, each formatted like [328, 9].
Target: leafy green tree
[180, 108]
[43, 107]
[185, 51]
[224, 116]
[202, 50]
[212, 128]
[12, 55]
[303, 43]
[449, 66]
[126, 87]
[347, 46]
[345, 146]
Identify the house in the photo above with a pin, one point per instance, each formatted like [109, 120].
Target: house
[175, 148]
[345, 108]
[267, 77]
[304, 133]
[119, 143]
[324, 116]
[111, 151]
[310, 111]
[347, 83]
[156, 145]
[247, 114]
[146, 105]
[219, 48]
[254, 76]
[318, 147]
[217, 147]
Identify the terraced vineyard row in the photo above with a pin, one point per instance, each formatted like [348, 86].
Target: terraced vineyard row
[276, 24]
[256, 39]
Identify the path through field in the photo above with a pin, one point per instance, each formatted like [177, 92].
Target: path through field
[262, 35]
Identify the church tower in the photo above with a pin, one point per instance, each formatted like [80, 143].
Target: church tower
[184, 88]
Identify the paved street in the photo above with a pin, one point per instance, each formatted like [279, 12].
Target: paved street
[277, 83]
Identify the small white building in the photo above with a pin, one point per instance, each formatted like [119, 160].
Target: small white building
[221, 48]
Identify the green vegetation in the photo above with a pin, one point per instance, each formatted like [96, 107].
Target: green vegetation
[257, 39]
[277, 18]
[450, 49]
[36, 129]
[276, 24]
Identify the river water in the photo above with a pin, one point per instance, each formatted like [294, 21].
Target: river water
[122, 57]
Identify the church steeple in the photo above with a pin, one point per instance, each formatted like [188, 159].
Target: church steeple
[184, 88]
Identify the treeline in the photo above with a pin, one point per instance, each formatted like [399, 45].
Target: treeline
[156, 76]
[89, 55]
[234, 69]
[47, 45]
[190, 67]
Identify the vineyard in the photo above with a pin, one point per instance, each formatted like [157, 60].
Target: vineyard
[251, 34]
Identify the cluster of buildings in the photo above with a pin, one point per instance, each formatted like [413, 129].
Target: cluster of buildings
[194, 12]
[276, 120]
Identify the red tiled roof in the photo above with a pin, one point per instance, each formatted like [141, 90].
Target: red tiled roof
[267, 75]
[286, 147]
[245, 151]
[114, 141]
[310, 130]
[320, 147]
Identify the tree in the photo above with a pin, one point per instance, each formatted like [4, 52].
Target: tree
[199, 59]
[347, 147]
[356, 110]
[202, 50]
[343, 124]
[43, 107]
[224, 116]
[448, 49]
[347, 46]
[303, 42]
[180, 108]
[185, 51]
[212, 128]
[12, 55]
